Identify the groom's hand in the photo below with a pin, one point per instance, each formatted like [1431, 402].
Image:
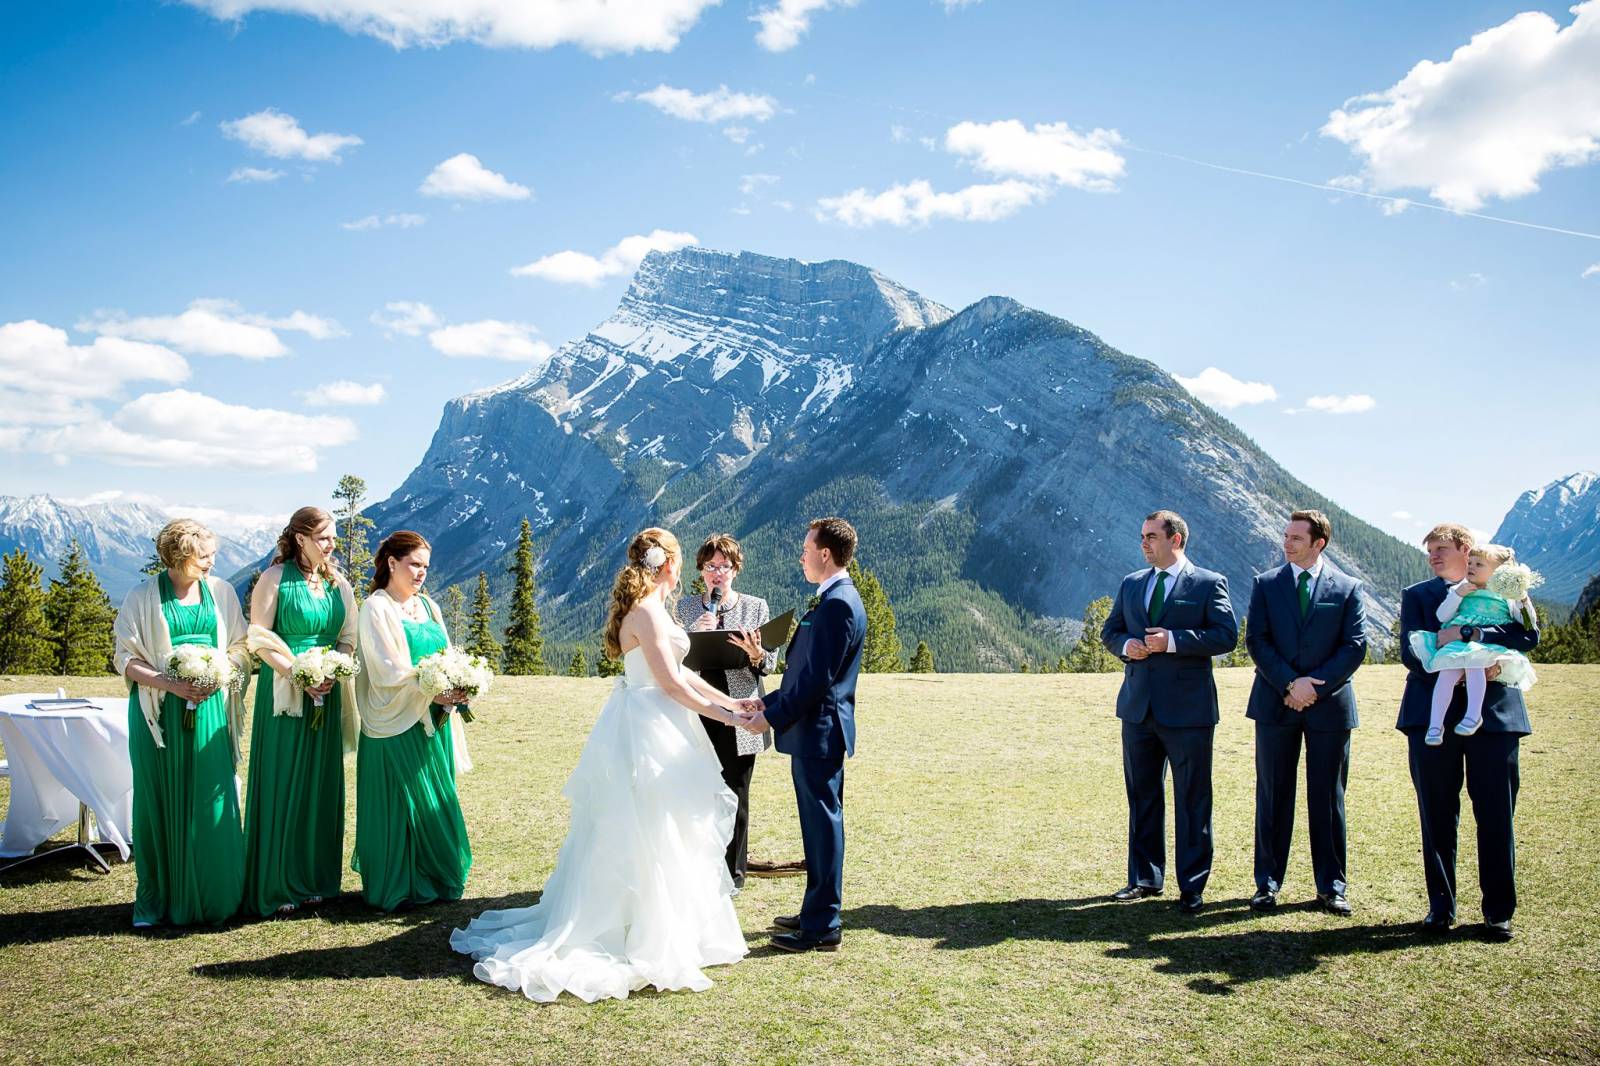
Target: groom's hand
[1156, 640]
[756, 723]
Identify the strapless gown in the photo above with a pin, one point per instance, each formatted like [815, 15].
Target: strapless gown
[640, 895]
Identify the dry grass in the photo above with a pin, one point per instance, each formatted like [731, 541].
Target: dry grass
[986, 823]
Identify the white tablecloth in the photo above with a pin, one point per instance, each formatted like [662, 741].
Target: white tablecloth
[60, 757]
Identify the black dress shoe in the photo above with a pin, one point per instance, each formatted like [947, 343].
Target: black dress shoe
[787, 921]
[1264, 900]
[1500, 931]
[1133, 892]
[1437, 923]
[1334, 903]
[1190, 903]
[797, 942]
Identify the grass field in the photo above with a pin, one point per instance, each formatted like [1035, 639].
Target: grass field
[986, 823]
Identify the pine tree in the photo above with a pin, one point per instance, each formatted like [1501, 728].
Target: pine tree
[524, 641]
[1024, 667]
[883, 653]
[80, 617]
[1239, 655]
[1062, 666]
[455, 611]
[606, 666]
[153, 565]
[351, 495]
[26, 644]
[480, 635]
[580, 665]
[1089, 655]
[250, 590]
[922, 659]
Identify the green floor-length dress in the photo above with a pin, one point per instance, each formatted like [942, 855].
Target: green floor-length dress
[411, 842]
[294, 798]
[187, 843]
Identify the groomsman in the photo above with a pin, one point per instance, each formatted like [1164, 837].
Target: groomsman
[1486, 760]
[1306, 633]
[1167, 623]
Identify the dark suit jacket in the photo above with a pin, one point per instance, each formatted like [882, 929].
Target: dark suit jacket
[1503, 708]
[1328, 644]
[1176, 686]
[813, 712]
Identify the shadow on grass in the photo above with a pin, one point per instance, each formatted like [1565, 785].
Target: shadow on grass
[1152, 931]
[420, 950]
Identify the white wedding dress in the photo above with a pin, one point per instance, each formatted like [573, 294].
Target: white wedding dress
[640, 894]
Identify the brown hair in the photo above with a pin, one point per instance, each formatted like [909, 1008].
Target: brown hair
[1171, 524]
[719, 542]
[1321, 528]
[182, 539]
[397, 545]
[635, 581]
[1458, 535]
[1498, 554]
[306, 521]
[838, 536]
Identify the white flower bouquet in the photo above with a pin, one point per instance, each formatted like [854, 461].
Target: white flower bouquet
[198, 664]
[454, 670]
[1512, 582]
[315, 666]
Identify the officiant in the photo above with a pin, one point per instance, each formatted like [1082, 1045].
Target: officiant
[719, 607]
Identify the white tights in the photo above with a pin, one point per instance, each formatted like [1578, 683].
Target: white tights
[1445, 687]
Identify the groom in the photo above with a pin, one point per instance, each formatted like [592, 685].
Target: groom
[813, 716]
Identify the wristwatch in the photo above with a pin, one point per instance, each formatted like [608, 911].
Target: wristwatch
[1471, 632]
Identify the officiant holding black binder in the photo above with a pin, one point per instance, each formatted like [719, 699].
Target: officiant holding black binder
[735, 665]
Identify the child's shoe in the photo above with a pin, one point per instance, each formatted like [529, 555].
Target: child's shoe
[1468, 726]
[1435, 736]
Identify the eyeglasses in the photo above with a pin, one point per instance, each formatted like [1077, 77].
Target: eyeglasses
[712, 568]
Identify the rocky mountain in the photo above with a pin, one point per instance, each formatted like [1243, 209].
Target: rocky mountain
[997, 462]
[1556, 530]
[117, 537]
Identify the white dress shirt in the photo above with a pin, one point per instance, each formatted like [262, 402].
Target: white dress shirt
[1316, 577]
[832, 581]
[1173, 572]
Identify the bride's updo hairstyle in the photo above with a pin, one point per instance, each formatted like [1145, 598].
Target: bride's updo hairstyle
[306, 521]
[650, 551]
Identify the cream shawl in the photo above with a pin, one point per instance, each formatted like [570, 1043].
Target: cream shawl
[387, 694]
[141, 633]
[285, 693]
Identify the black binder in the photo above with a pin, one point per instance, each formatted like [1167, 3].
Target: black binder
[712, 650]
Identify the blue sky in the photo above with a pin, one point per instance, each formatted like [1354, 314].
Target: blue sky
[156, 288]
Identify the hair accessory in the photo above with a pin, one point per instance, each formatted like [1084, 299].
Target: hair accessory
[655, 558]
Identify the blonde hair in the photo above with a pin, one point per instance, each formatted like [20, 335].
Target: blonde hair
[1498, 554]
[1458, 535]
[180, 539]
[635, 581]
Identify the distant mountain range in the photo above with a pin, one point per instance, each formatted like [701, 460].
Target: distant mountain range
[118, 538]
[997, 461]
[1556, 530]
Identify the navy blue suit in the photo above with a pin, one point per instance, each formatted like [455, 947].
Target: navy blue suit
[813, 715]
[1168, 707]
[1327, 643]
[1487, 761]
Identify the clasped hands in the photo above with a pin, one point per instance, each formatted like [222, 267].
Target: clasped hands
[751, 715]
[1155, 642]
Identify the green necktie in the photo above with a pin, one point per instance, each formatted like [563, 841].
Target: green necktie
[1158, 598]
[1305, 591]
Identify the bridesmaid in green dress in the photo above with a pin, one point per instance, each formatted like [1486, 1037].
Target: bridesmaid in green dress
[187, 843]
[411, 842]
[294, 810]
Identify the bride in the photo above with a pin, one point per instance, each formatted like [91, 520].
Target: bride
[640, 894]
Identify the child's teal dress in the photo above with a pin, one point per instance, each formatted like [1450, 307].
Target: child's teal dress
[1480, 607]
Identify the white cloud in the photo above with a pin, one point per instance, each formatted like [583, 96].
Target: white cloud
[899, 134]
[214, 327]
[1049, 152]
[597, 26]
[405, 316]
[624, 257]
[47, 380]
[916, 203]
[1221, 389]
[1591, 271]
[344, 394]
[1354, 404]
[736, 134]
[254, 175]
[403, 221]
[957, 5]
[491, 339]
[784, 23]
[180, 428]
[1515, 101]
[1474, 280]
[228, 523]
[274, 133]
[194, 116]
[463, 177]
[783, 205]
[1404, 516]
[751, 184]
[719, 105]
